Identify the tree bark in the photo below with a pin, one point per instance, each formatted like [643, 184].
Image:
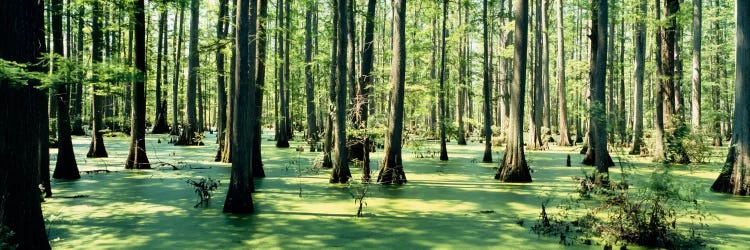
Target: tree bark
[78, 105]
[537, 93]
[160, 122]
[733, 178]
[176, 81]
[562, 113]
[545, 70]
[392, 170]
[137, 158]
[312, 128]
[221, 92]
[514, 167]
[441, 90]
[640, 66]
[365, 83]
[340, 173]
[671, 117]
[191, 126]
[260, 82]
[599, 129]
[239, 196]
[96, 149]
[486, 88]
[283, 138]
[696, 79]
[23, 113]
[65, 166]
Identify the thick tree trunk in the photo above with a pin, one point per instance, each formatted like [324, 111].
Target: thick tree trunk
[392, 169]
[96, 148]
[672, 119]
[599, 129]
[640, 66]
[160, 121]
[562, 113]
[486, 88]
[696, 79]
[239, 196]
[137, 158]
[514, 167]
[65, 166]
[341, 173]
[176, 80]
[221, 92]
[441, 91]
[312, 128]
[23, 114]
[734, 175]
[191, 126]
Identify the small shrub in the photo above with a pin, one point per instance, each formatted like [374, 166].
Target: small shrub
[6, 237]
[358, 191]
[204, 188]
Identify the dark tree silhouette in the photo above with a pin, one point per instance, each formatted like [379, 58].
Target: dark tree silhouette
[65, 166]
[340, 173]
[96, 149]
[137, 158]
[191, 126]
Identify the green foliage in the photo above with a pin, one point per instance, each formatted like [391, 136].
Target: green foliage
[697, 146]
[204, 188]
[358, 191]
[17, 74]
[6, 237]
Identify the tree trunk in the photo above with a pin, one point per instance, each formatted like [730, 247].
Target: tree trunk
[221, 93]
[176, 81]
[260, 82]
[365, 83]
[328, 139]
[96, 148]
[65, 166]
[562, 112]
[486, 89]
[621, 114]
[696, 79]
[312, 129]
[545, 71]
[341, 173]
[610, 97]
[137, 158]
[78, 106]
[392, 170]
[514, 167]
[160, 121]
[537, 93]
[23, 112]
[671, 117]
[239, 196]
[640, 66]
[599, 129]
[441, 90]
[191, 126]
[659, 153]
[733, 177]
[283, 138]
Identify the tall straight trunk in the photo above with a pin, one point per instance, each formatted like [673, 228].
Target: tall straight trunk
[199, 106]
[341, 173]
[696, 79]
[716, 89]
[671, 118]
[545, 68]
[441, 91]
[486, 88]
[283, 138]
[221, 92]
[312, 129]
[65, 166]
[514, 167]
[640, 66]
[392, 169]
[562, 113]
[239, 198]
[610, 92]
[160, 122]
[176, 80]
[24, 130]
[733, 177]
[365, 83]
[328, 140]
[461, 87]
[78, 105]
[191, 126]
[659, 153]
[260, 81]
[535, 124]
[137, 158]
[621, 114]
[96, 149]
[599, 129]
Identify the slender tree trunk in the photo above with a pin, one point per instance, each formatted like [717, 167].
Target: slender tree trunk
[640, 66]
[621, 114]
[392, 169]
[160, 122]
[537, 93]
[696, 79]
[176, 81]
[221, 92]
[328, 140]
[340, 173]
[65, 166]
[23, 114]
[283, 138]
[545, 70]
[96, 148]
[312, 129]
[441, 91]
[659, 153]
[137, 158]
[562, 112]
[486, 88]
[188, 134]
[239, 196]
[599, 129]
[365, 83]
[78, 106]
[611, 108]
[514, 167]
[260, 82]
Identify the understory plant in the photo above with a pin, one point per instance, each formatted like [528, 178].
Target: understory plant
[204, 188]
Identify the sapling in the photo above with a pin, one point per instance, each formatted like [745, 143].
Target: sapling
[358, 191]
[204, 188]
